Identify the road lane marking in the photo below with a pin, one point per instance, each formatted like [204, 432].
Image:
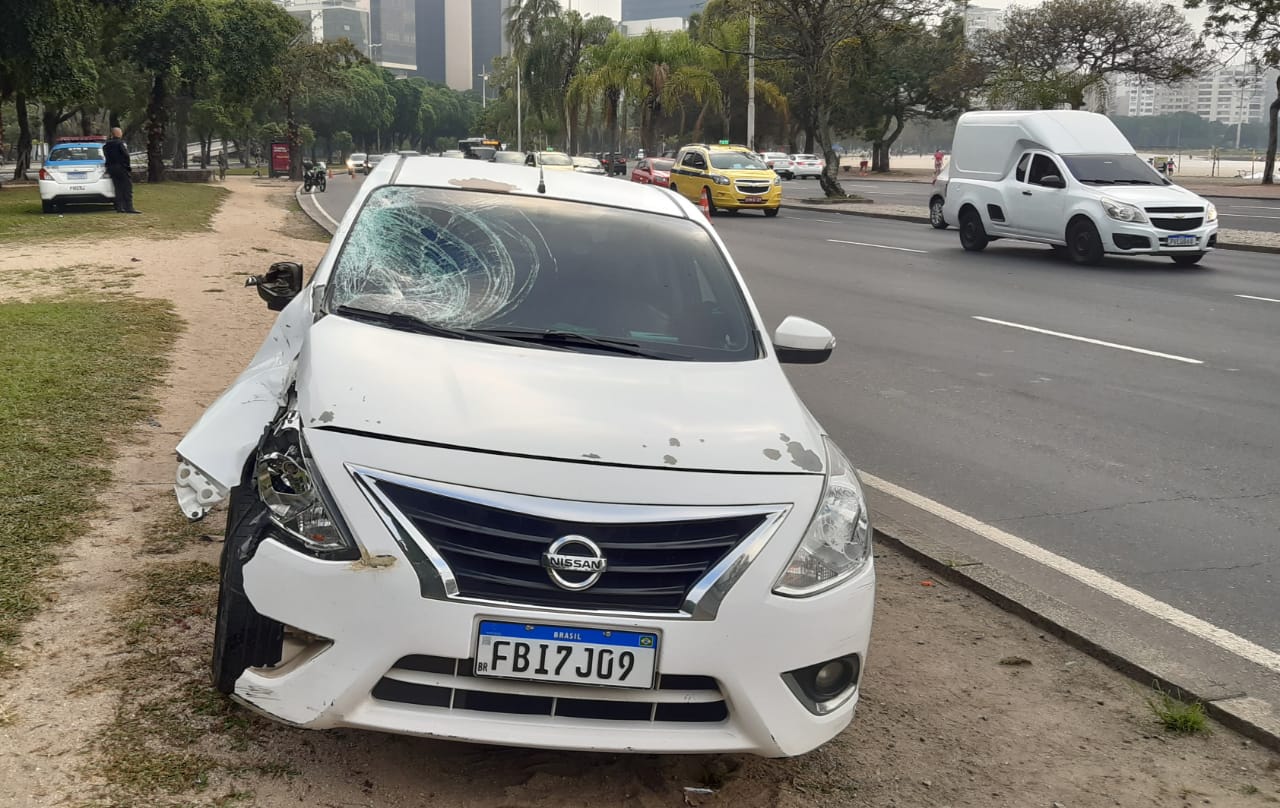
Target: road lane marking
[877, 246]
[1205, 630]
[1253, 207]
[1255, 297]
[319, 209]
[1091, 341]
[1249, 215]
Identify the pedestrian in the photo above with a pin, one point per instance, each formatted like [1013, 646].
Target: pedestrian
[937, 162]
[222, 166]
[117, 156]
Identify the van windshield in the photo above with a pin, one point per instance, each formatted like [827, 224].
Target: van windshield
[1112, 169]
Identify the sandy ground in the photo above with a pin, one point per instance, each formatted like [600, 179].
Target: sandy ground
[945, 720]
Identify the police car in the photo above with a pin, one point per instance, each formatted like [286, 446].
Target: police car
[75, 171]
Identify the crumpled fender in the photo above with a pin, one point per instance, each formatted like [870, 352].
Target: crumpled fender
[212, 455]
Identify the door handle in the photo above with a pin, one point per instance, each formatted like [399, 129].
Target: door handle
[1026, 193]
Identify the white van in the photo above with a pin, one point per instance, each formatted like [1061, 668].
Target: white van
[1069, 179]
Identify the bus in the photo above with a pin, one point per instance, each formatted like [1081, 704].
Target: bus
[479, 148]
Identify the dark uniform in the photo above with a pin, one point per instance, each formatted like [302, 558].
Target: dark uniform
[117, 157]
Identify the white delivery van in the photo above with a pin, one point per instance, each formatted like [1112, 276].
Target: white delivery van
[1069, 179]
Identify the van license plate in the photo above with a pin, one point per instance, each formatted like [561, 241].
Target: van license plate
[566, 654]
[1182, 241]
[753, 200]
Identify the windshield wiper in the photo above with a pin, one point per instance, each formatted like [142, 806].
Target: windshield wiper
[403, 321]
[565, 339]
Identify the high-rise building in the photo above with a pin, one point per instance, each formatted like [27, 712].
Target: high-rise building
[1232, 94]
[331, 20]
[443, 32]
[658, 9]
[395, 35]
[978, 19]
[488, 21]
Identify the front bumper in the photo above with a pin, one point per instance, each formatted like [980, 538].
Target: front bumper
[1121, 238]
[730, 197]
[89, 191]
[722, 689]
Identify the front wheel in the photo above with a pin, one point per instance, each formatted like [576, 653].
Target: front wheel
[936, 218]
[973, 236]
[1187, 260]
[306, 187]
[1084, 243]
[770, 212]
[323, 184]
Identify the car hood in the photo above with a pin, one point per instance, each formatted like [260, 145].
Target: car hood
[594, 408]
[1143, 195]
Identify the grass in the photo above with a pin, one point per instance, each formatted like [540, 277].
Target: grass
[169, 208]
[299, 225]
[75, 375]
[1177, 716]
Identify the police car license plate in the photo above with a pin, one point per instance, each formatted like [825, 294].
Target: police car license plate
[753, 200]
[566, 654]
[77, 175]
[1182, 241]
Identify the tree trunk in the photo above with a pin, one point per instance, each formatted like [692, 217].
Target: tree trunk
[295, 142]
[86, 122]
[51, 118]
[830, 177]
[880, 159]
[23, 156]
[180, 134]
[157, 115]
[1269, 168]
[809, 139]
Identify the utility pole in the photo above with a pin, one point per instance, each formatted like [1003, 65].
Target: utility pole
[751, 84]
[484, 90]
[519, 117]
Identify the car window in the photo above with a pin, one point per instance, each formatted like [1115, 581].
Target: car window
[475, 260]
[731, 160]
[804, 157]
[643, 165]
[662, 165]
[693, 160]
[508, 157]
[1111, 169]
[586, 162]
[1021, 171]
[1042, 166]
[358, 156]
[68, 153]
[554, 159]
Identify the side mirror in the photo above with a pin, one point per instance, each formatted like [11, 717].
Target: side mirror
[802, 342]
[1053, 181]
[281, 284]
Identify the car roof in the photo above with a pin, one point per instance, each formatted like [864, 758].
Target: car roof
[68, 144]
[485, 176]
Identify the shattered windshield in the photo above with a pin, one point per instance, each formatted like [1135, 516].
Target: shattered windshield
[499, 263]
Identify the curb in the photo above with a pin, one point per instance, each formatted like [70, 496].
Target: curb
[324, 220]
[1251, 717]
[906, 217]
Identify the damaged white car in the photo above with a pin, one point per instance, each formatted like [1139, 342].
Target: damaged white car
[495, 476]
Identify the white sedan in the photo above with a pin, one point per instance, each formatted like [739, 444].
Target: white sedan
[807, 165]
[75, 172]
[780, 163]
[493, 477]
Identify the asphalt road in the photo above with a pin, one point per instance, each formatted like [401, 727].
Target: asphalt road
[1145, 448]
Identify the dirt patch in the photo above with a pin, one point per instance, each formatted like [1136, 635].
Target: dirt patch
[110, 705]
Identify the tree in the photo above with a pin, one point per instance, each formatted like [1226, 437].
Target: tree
[1254, 24]
[307, 68]
[1063, 51]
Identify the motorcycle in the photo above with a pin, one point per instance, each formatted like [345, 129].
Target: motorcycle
[314, 175]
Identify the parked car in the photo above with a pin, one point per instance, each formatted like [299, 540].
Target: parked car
[614, 163]
[780, 163]
[938, 198]
[492, 477]
[586, 164]
[726, 177]
[509, 157]
[549, 160]
[356, 161]
[807, 166]
[75, 172]
[653, 171]
[371, 161]
[1069, 179]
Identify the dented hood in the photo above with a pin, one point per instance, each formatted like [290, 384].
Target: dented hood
[608, 409]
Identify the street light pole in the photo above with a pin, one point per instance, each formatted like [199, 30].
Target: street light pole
[751, 86]
[484, 90]
[519, 116]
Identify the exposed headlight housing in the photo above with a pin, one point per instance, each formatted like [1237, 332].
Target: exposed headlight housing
[1123, 211]
[837, 544]
[1211, 213]
[719, 179]
[290, 487]
[777, 180]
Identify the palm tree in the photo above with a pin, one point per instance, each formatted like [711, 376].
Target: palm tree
[603, 76]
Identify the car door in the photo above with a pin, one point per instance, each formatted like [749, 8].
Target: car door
[692, 168]
[1036, 209]
[641, 172]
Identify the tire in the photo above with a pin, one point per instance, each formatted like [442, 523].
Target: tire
[306, 187]
[1188, 260]
[711, 206]
[770, 212]
[1084, 244]
[242, 638]
[973, 236]
[47, 206]
[936, 219]
[323, 185]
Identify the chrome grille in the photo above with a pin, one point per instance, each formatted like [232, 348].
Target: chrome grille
[753, 187]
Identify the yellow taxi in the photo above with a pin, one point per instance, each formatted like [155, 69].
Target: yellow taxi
[729, 177]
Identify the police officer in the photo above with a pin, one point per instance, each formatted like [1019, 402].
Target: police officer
[117, 156]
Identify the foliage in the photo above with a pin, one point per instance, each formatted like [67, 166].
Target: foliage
[1062, 51]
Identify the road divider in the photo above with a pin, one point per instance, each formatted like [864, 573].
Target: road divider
[1077, 338]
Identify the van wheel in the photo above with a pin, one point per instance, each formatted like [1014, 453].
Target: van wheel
[1084, 243]
[973, 236]
[1187, 260]
[935, 214]
[706, 197]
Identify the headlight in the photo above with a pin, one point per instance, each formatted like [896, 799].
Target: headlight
[290, 488]
[1211, 213]
[719, 179]
[837, 544]
[777, 180]
[1123, 211]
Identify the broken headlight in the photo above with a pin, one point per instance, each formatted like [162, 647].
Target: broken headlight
[291, 489]
[837, 544]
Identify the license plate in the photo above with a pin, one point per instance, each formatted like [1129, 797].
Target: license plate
[77, 175]
[77, 187]
[566, 654]
[753, 200]
[1182, 241]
